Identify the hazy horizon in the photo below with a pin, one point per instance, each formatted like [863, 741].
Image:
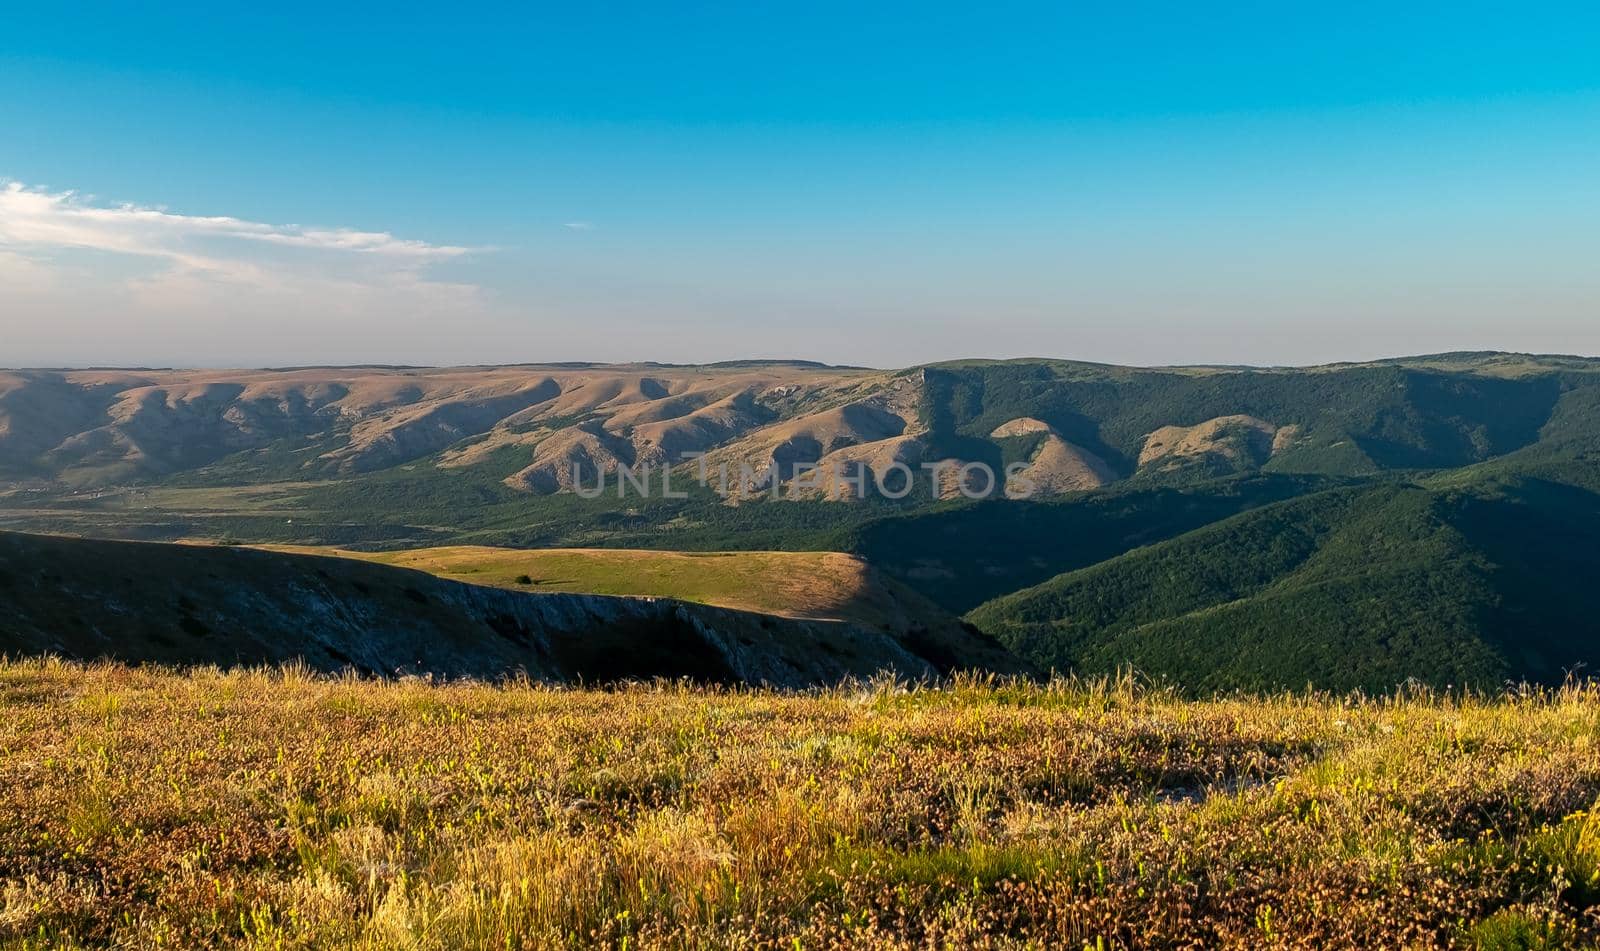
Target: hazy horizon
[884, 187]
[290, 367]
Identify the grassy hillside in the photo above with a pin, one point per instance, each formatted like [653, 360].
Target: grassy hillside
[140, 808]
[827, 586]
[1357, 587]
[189, 604]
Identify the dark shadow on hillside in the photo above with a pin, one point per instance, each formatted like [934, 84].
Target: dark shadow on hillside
[1543, 539]
[966, 554]
[640, 650]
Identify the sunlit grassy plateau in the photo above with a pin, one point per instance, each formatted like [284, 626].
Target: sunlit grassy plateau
[793, 584]
[146, 808]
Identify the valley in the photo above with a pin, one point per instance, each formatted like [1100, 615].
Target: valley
[1356, 525]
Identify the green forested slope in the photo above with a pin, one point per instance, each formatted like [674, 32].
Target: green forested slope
[1356, 587]
[962, 554]
[1352, 421]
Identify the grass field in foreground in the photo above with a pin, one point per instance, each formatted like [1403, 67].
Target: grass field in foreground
[822, 585]
[141, 808]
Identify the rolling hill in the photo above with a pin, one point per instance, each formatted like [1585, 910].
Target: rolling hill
[1362, 587]
[818, 586]
[961, 554]
[192, 604]
[1348, 525]
[1073, 426]
[417, 457]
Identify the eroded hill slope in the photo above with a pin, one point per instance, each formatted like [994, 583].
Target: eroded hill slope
[1057, 427]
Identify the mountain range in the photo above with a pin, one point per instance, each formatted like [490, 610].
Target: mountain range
[1354, 525]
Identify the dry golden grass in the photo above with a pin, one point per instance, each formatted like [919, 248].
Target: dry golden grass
[141, 808]
[820, 585]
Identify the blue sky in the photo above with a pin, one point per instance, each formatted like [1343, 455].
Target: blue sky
[878, 184]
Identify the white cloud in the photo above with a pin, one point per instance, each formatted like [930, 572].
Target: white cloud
[36, 222]
[83, 281]
[578, 225]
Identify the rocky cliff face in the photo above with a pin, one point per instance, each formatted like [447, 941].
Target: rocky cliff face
[188, 605]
